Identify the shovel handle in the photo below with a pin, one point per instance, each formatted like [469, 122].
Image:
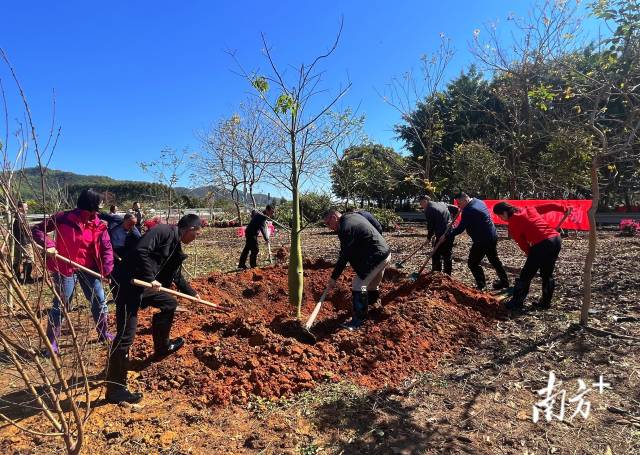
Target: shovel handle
[76, 265]
[146, 284]
[566, 215]
[316, 310]
[443, 237]
[422, 245]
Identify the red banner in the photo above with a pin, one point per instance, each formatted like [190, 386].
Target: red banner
[578, 219]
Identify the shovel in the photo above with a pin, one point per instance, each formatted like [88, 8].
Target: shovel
[414, 276]
[145, 284]
[270, 256]
[400, 265]
[302, 333]
[443, 237]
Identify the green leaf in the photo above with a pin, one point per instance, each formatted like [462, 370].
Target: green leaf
[260, 84]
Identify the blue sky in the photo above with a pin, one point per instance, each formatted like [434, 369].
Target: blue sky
[134, 77]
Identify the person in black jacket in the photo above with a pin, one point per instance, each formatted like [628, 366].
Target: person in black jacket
[258, 224]
[438, 216]
[369, 217]
[157, 258]
[362, 246]
[477, 221]
[22, 249]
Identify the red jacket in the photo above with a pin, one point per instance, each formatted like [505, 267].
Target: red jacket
[528, 228]
[85, 241]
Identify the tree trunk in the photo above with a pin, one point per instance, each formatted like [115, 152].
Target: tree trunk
[235, 196]
[593, 238]
[295, 275]
[253, 198]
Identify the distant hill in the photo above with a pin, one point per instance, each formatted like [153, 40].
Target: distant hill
[68, 185]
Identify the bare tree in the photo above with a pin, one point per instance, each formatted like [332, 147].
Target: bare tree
[413, 90]
[168, 169]
[548, 32]
[59, 387]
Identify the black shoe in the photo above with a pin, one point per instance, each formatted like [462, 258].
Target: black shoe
[173, 346]
[122, 395]
[541, 306]
[242, 267]
[514, 304]
[500, 284]
[520, 291]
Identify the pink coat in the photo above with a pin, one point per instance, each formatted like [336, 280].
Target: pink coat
[88, 245]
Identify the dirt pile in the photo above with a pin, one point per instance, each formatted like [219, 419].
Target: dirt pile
[230, 357]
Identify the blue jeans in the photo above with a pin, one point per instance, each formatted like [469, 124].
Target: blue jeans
[65, 287]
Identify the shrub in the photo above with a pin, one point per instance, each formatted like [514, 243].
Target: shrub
[629, 227]
[387, 218]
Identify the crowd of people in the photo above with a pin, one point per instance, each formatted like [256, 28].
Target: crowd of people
[114, 247]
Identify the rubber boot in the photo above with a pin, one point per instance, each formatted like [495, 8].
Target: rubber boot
[18, 274]
[102, 327]
[360, 310]
[117, 391]
[548, 287]
[28, 269]
[520, 291]
[53, 334]
[373, 297]
[160, 328]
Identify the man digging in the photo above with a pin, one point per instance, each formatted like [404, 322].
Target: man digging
[540, 242]
[362, 246]
[258, 224]
[157, 259]
[476, 220]
[439, 216]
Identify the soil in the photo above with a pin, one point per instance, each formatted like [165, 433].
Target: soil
[255, 350]
[467, 393]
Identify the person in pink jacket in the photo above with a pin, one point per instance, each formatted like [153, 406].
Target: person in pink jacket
[82, 237]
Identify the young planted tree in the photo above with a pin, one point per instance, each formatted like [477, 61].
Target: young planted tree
[299, 112]
[608, 103]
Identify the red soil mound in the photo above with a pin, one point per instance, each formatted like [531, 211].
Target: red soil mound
[229, 357]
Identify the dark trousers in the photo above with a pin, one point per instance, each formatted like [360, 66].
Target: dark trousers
[443, 255]
[250, 246]
[477, 253]
[543, 257]
[128, 302]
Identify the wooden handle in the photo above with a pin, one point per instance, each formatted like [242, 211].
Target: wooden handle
[422, 245]
[440, 242]
[75, 264]
[146, 284]
[316, 310]
[566, 215]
